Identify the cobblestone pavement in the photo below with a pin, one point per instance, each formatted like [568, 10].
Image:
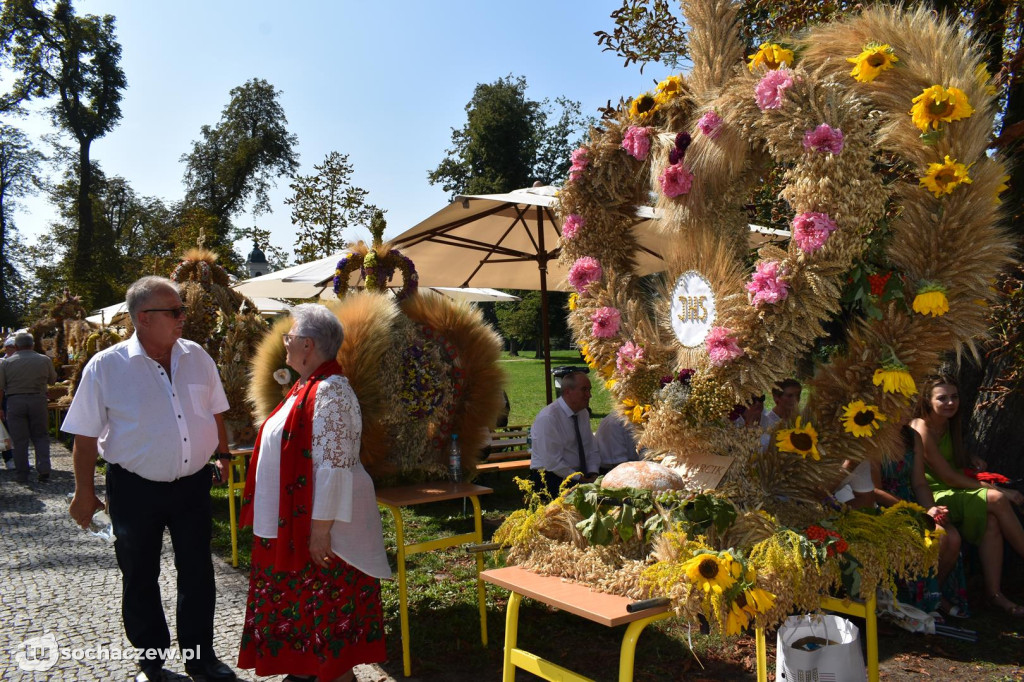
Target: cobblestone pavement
[58, 580]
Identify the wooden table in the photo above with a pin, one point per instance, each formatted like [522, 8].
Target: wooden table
[424, 493]
[236, 484]
[606, 609]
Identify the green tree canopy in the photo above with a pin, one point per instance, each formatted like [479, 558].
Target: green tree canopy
[19, 163]
[75, 59]
[508, 141]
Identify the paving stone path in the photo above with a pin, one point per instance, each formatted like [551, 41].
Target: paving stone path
[58, 580]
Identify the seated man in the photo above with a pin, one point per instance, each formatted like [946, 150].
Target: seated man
[616, 441]
[787, 396]
[562, 443]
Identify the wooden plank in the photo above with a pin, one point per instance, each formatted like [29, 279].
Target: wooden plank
[606, 609]
[433, 491]
[508, 465]
[504, 456]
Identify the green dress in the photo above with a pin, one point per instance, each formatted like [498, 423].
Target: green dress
[968, 509]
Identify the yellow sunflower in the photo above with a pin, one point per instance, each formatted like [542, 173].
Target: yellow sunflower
[872, 61]
[983, 76]
[938, 104]
[800, 440]
[771, 56]
[709, 572]
[636, 412]
[574, 301]
[668, 89]
[758, 600]
[861, 419]
[933, 535]
[642, 107]
[737, 620]
[943, 178]
[931, 300]
[1003, 186]
[895, 379]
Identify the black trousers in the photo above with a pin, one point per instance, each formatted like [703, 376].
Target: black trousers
[140, 509]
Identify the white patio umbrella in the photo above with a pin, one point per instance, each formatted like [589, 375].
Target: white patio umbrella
[304, 280]
[110, 315]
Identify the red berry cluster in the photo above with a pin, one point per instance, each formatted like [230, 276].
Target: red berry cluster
[878, 283]
[831, 540]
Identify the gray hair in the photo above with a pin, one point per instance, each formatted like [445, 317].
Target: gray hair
[571, 379]
[316, 322]
[23, 341]
[142, 290]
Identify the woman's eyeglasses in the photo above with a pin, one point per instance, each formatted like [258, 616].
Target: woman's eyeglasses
[174, 312]
[288, 338]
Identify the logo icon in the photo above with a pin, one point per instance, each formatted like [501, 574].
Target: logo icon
[37, 654]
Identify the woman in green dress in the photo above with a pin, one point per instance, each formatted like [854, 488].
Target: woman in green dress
[983, 512]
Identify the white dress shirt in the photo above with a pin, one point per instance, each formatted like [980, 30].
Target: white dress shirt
[157, 428]
[554, 441]
[343, 491]
[615, 441]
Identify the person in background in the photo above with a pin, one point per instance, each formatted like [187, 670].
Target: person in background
[24, 377]
[152, 406]
[314, 608]
[787, 396]
[616, 442]
[562, 441]
[982, 512]
[8, 454]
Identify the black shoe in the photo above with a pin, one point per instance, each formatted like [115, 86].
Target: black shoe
[43, 478]
[209, 668]
[151, 674]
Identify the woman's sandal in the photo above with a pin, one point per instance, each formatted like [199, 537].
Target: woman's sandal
[954, 611]
[300, 678]
[1007, 606]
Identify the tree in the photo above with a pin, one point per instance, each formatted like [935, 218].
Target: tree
[324, 205]
[19, 163]
[507, 143]
[238, 160]
[76, 59]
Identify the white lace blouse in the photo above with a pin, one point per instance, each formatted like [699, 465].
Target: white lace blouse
[342, 490]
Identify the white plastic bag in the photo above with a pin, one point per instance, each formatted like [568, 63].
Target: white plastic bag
[836, 658]
[5, 438]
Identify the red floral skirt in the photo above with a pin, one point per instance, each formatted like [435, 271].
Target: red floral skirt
[310, 622]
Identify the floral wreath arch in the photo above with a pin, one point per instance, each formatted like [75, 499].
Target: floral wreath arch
[917, 99]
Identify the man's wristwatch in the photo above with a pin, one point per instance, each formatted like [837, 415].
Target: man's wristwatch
[225, 455]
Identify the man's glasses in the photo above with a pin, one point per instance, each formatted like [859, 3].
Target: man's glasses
[175, 312]
[288, 338]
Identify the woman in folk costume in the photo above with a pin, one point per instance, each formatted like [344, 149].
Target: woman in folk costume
[314, 608]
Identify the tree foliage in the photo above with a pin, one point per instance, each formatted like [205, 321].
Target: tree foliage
[19, 163]
[238, 160]
[325, 205]
[76, 60]
[508, 141]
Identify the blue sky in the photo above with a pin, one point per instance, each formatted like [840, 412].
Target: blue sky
[381, 81]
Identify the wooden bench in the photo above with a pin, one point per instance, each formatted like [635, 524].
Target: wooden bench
[508, 450]
[606, 609]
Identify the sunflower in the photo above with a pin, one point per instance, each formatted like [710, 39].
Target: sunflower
[574, 301]
[983, 77]
[668, 89]
[861, 420]
[931, 300]
[710, 572]
[757, 600]
[770, 55]
[642, 107]
[872, 61]
[894, 378]
[943, 178]
[933, 535]
[737, 620]
[937, 104]
[636, 412]
[800, 440]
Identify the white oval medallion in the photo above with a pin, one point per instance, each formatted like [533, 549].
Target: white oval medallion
[693, 309]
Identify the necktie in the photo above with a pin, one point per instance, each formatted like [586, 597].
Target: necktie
[579, 445]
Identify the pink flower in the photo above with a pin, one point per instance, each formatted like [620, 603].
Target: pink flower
[722, 347]
[766, 285]
[627, 356]
[584, 272]
[824, 138]
[637, 142]
[710, 124]
[606, 322]
[772, 86]
[572, 225]
[810, 230]
[675, 180]
[580, 161]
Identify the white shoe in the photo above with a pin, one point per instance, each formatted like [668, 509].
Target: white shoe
[9, 464]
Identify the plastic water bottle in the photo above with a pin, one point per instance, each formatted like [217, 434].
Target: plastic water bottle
[100, 526]
[455, 460]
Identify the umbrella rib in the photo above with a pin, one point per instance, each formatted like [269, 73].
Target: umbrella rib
[426, 235]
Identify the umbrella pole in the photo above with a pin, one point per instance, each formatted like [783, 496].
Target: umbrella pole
[545, 329]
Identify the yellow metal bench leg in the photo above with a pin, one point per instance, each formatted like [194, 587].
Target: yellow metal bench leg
[403, 597]
[627, 652]
[481, 594]
[237, 466]
[508, 671]
[871, 626]
[762, 655]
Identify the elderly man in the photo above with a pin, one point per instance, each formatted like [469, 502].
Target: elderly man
[152, 407]
[562, 443]
[8, 454]
[23, 380]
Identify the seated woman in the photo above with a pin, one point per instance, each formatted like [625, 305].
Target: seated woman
[981, 511]
[904, 479]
